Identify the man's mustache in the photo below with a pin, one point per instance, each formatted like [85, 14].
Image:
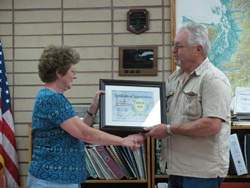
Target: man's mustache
[176, 55]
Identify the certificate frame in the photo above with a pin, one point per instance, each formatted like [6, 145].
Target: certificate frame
[129, 106]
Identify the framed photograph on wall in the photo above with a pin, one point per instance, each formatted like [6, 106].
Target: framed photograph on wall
[138, 61]
[131, 105]
[80, 109]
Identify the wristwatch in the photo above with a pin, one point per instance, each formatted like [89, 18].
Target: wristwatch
[169, 132]
[89, 113]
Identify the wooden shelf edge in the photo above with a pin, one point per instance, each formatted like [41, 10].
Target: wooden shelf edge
[241, 127]
[235, 176]
[228, 176]
[161, 176]
[117, 181]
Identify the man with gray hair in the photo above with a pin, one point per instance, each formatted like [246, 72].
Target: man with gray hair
[195, 140]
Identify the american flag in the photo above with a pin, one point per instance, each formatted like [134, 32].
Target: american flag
[7, 136]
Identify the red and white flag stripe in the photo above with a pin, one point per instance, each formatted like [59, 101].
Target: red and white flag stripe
[7, 136]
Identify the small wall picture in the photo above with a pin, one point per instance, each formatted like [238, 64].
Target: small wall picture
[80, 109]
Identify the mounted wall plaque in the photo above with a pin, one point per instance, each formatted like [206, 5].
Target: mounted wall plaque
[138, 20]
[138, 61]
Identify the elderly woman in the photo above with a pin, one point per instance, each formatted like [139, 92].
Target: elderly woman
[58, 134]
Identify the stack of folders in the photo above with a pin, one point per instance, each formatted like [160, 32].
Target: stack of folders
[115, 162]
[241, 106]
[241, 119]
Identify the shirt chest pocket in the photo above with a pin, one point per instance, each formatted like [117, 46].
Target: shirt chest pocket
[192, 104]
[169, 97]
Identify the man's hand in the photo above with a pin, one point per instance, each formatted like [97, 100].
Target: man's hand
[157, 131]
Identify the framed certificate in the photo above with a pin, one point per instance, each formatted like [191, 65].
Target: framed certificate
[131, 105]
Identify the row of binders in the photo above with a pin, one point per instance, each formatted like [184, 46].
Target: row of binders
[239, 157]
[115, 162]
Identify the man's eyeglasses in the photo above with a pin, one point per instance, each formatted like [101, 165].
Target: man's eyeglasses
[74, 71]
[177, 45]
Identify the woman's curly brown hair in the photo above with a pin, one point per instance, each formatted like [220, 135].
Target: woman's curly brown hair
[56, 58]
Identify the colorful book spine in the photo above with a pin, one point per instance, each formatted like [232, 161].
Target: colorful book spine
[121, 162]
[90, 167]
[110, 162]
[134, 163]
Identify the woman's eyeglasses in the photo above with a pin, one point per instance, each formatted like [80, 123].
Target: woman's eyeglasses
[74, 71]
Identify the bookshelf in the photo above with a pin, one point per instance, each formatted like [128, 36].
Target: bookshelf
[98, 183]
[125, 183]
[240, 130]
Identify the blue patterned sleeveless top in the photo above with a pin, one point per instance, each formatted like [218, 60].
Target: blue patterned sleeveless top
[57, 156]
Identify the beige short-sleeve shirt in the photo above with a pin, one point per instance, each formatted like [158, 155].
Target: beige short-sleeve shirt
[206, 93]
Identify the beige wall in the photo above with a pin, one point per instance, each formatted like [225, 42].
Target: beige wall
[96, 28]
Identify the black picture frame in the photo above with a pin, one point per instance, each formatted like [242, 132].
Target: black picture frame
[129, 106]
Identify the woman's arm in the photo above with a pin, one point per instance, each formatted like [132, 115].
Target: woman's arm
[88, 120]
[78, 129]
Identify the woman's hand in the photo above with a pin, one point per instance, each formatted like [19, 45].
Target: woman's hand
[95, 104]
[134, 141]
[97, 96]
[139, 138]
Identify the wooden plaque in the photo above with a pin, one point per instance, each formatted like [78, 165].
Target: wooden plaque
[138, 20]
[138, 61]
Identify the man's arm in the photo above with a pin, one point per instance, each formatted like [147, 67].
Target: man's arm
[201, 127]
